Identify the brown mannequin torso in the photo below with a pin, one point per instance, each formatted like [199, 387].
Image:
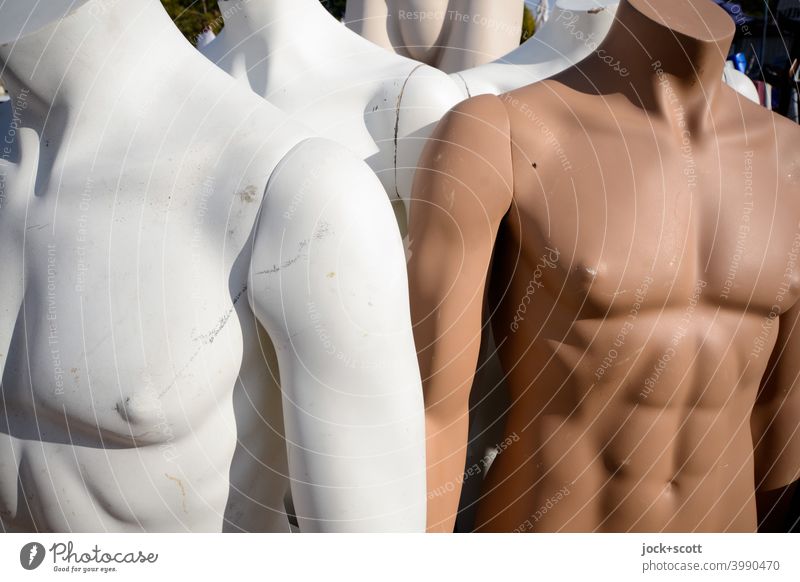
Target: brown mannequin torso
[637, 388]
[646, 237]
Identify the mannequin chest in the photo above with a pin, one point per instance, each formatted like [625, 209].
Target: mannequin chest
[130, 321]
[626, 201]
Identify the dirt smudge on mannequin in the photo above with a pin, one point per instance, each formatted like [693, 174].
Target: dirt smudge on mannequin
[179, 483]
[248, 195]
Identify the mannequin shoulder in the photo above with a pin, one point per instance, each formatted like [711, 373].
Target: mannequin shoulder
[481, 121]
[477, 129]
[319, 176]
[418, 94]
[772, 131]
[772, 137]
[788, 137]
[322, 206]
[427, 87]
[259, 140]
[473, 141]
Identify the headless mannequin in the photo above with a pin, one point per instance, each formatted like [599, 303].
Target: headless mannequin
[174, 256]
[574, 30]
[379, 105]
[651, 351]
[451, 35]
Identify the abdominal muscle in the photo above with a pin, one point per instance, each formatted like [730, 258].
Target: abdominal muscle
[634, 444]
[176, 485]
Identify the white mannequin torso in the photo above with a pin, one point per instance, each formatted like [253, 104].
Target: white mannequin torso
[139, 386]
[381, 106]
[573, 30]
[451, 35]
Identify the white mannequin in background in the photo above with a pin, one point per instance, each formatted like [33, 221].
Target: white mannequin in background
[740, 82]
[381, 106]
[148, 247]
[451, 35]
[541, 11]
[205, 38]
[573, 31]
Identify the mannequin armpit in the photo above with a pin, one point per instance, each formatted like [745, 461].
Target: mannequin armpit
[776, 416]
[461, 193]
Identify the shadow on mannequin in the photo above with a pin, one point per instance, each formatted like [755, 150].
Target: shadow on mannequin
[573, 32]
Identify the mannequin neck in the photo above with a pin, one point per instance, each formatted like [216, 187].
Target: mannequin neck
[568, 32]
[675, 51]
[93, 59]
[286, 21]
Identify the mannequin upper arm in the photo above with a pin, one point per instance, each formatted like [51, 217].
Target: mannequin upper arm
[328, 283]
[776, 416]
[462, 191]
[464, 183]
[328, 278]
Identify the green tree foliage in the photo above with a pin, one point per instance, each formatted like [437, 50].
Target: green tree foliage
[528, 25]
[193, 16]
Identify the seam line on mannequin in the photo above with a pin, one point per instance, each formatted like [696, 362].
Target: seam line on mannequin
[466, 87]
[397, 125]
